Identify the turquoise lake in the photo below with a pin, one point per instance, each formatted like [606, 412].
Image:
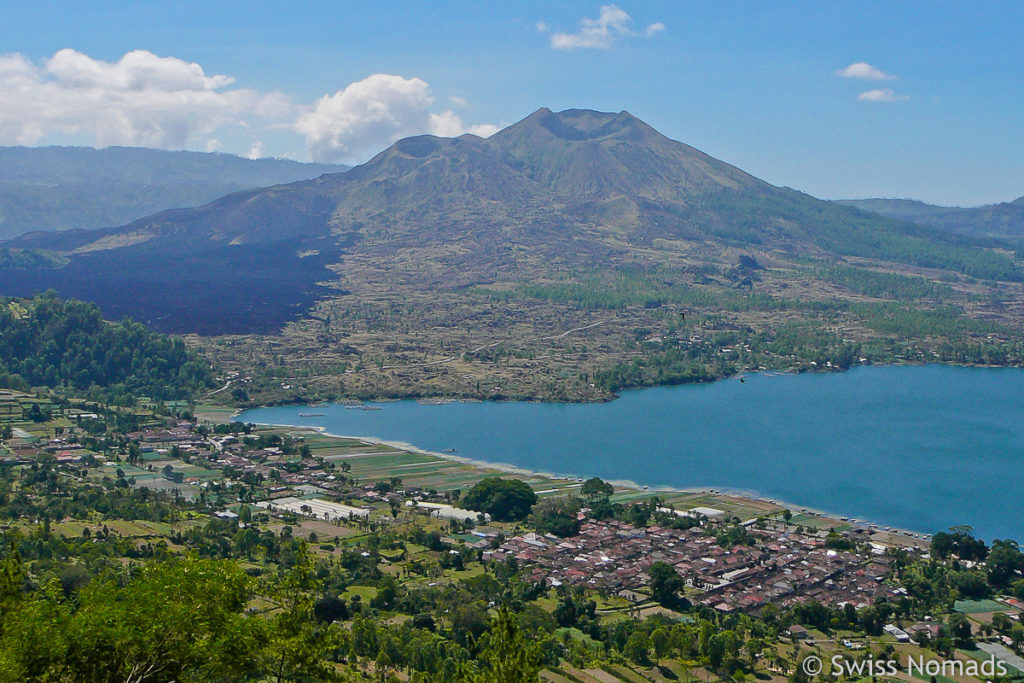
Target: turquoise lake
[915, 447]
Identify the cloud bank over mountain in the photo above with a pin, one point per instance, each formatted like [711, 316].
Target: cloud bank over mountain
[372, 113]
[140, 100]
[146, 100]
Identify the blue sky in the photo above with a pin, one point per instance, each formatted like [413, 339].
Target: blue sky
[933, 112]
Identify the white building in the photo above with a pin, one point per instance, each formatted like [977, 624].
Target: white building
[442, 511]
[710, 513]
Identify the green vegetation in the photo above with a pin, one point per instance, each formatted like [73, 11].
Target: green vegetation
[848, 231]
[46, 341]
[725, 353]
[666, 585]
[699, 341]
[910, 323]
[883, 285]
[557, 515]
[102, 579]
[177, 619]
[623, 287]
[505, 500]
[30, 258]
[1002, 221]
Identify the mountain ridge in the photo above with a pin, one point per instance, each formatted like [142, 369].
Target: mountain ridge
[1004, 220]
[61, 188]
[555, 191]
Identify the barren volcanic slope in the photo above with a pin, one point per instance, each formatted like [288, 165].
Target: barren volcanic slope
[465, 265]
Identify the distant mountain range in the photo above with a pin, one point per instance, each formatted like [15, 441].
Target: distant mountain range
[60, 188]
[555, 191]
[1002, 221]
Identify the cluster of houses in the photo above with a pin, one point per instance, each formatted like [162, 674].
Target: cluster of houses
[285, 476]
[200, 460]
[781, 567]
[228, 451]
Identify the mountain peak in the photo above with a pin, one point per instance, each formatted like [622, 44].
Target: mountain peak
[578, 124]
[583, 153]
[571, 187]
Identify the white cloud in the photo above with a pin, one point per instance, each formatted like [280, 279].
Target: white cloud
[611, 24]
[371, 114]
[151, 101]
[542, 26]
[865, 71]
[137, 70]
[656, 27]
[881, 95]
[484, 130]
[140, 100]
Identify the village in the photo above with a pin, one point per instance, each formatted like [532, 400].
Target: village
[781, 567]
[300, 474]
[736, 556]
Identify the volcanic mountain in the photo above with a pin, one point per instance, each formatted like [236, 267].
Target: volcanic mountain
[555, 191]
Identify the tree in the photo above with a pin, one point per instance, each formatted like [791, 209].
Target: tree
[424, 621]
[638, 648]
[595, 489]
[469, 620]
[800, 674]
[722, 649]
[32, 627]
[565, 612]
[960, 541]
[959, 629]
[660, 642]
[67, 343]
[666, 584]
[506, 500]
[1004, 563]
[557, 515]
[387, 594]
[330, 608]
[247, 541]
[507, 655]
[297, 649]
[181, 619]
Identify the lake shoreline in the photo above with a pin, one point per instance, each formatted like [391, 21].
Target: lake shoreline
[915, 447]
[616, 394]
[907, 536]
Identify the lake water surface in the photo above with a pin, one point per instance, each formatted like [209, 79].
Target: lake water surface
[920, 448]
